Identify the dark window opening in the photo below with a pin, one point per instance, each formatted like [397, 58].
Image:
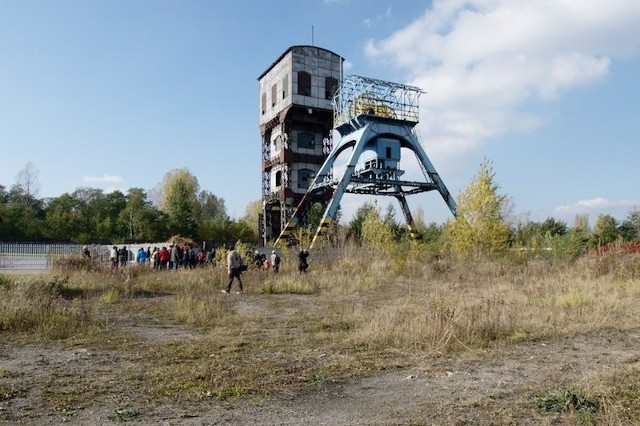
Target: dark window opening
[285, 86]
[330, 87]
[274, 95]
[305, 177]
[278, 178]
[304, 83]
[306, 140]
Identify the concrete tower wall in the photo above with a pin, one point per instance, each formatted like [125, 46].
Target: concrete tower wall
[296, 118]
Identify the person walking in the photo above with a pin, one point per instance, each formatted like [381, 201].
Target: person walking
[113, 257]
[234, 267]
[302, 261]
[123, 255]
[275, 261]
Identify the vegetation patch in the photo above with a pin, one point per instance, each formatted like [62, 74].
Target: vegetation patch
[562, 400]
[124, 415]
[8, 392]
[227, 391]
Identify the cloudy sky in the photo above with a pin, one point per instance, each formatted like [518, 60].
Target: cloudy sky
[114, 94]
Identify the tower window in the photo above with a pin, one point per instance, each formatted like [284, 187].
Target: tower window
[274, 95]
[330, 87]
[277, 143]
[264, 103]
[304, 83]
[285, 86]
[278, 178]
[306, 140]
[305, 177]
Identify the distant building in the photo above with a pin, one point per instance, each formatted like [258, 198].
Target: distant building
[296, 119]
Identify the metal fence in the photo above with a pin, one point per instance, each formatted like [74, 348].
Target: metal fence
[35, 256]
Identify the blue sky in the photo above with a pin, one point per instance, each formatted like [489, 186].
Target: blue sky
[114, 94]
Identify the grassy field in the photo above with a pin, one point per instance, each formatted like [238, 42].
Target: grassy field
[347, 318]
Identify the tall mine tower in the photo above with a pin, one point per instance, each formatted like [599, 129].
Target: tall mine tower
[296, 120]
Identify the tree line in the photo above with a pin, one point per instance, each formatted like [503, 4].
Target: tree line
[177, 206]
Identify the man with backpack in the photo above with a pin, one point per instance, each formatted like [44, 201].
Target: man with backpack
[234, 267]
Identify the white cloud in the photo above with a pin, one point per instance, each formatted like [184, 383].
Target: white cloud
[596, 205]
[104, 180]
[373, 22]
[481, 60]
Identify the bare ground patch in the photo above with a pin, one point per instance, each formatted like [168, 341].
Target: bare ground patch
[48, 383]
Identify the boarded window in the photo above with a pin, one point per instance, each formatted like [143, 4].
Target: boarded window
[304, 83]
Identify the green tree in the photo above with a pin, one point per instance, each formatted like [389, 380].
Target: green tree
[63, 218]
[605, 230]
[355, 226]
[553, 227]
[23, 215]
[390, 221]
[481, 226]
[630, 226]
[178, 200]
[252, 212]
[107, 210]
[210, 208]
[137, 216]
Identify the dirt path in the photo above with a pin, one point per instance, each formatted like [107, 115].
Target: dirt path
[496, 386]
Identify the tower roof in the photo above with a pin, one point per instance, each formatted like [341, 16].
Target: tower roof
[296, 47]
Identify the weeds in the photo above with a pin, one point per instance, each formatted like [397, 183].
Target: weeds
[359, 314]
[124, 415]
[227, 391]
[562, 400]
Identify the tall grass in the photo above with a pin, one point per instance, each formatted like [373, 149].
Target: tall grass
[37, 307]
[354, 311]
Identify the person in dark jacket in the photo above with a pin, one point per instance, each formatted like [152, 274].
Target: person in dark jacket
[303, 265]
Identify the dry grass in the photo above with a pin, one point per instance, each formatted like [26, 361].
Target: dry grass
[344, 318]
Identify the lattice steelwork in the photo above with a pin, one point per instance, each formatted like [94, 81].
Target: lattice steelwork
[358, 95]
[375, 120]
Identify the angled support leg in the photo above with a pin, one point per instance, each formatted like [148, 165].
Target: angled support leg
[413, 231]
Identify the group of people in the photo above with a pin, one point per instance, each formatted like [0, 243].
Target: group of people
[176, 257]
[171, 258]
[273, 262]
[235, 265]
